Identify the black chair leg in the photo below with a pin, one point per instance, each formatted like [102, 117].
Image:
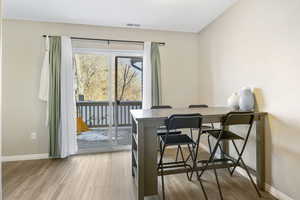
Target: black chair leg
[212, 155]
[218, 183]
[181, 153]
[194, 159]
[251, 179]
[240, 160]
[177, 153]
[202, 187]
[163, 186]
[160, 165]
[192, 156]
[185, 164]
[191, 132]
[239, 156]
[229, 171]
[209, 144]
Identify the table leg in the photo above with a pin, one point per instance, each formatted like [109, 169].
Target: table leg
[147, 162]
[260, 152]
[225, 145]
[150, 162]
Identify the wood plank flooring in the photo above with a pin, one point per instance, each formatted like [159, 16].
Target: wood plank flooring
[107, 176]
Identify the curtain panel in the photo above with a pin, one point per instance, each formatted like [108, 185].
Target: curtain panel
[155, 74]
[57, 90]
[54, 96]
[147, 99]
[151, 75]
[68, 136]
[44, 80]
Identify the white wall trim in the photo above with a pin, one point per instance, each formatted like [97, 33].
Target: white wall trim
[276, 193]
[25, 157]
[268, 188]
[114, 52]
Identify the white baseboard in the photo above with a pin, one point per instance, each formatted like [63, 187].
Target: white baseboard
[276, 193]
[268, 188]
[25, 157]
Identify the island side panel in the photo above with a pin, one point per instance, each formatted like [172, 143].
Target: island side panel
[150, 159]
[140, 161]
[133, 147]
[146, 159]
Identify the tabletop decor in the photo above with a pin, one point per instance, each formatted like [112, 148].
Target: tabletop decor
[246, 101]
[233, 101]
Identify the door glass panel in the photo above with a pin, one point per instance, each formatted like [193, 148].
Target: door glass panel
[128, 95]
[129, 76]
[92, 101]
[107, 88]
[92, 77]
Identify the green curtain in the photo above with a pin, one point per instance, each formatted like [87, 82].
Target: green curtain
[54, 95]
[155, 74]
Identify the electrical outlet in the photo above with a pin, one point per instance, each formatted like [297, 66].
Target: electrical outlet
[33, 136]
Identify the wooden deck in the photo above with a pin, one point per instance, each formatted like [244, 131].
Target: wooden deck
[98, 140]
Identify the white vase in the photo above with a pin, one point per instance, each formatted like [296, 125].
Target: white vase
[233, 101]
[246, 101]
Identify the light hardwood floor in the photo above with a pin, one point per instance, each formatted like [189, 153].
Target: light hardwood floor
[107, 176]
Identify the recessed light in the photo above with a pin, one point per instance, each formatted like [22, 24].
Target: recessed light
[133, 25]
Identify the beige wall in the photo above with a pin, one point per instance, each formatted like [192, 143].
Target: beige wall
[23, 113]
[257, 43]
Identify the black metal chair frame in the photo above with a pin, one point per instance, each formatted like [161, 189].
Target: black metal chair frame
[232, 118]
[204, 127]
[179, 149]
[202, 106]
[181, 122]
[161, 107]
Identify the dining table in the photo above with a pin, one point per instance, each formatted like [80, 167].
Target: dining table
[146, 122]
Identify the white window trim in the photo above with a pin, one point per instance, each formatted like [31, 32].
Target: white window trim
[109, 52]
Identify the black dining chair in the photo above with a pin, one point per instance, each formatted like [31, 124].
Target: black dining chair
[174, 122]
[162, 107]
[198, 106]
[162, 130]
[204, 127]
[231, 119]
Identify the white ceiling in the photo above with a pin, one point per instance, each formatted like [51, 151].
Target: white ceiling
[173, 15]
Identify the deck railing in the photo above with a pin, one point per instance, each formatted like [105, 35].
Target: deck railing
[97, 113]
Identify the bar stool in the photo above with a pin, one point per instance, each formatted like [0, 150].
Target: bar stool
[174, 122]
[231, 119]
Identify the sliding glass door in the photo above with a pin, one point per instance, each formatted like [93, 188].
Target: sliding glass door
[108, 86]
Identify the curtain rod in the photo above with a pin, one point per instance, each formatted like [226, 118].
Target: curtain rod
[109, 40]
